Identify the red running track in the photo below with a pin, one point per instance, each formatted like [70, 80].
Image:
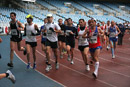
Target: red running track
[112, 72]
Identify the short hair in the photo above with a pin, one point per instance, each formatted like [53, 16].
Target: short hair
[13, 13]
[60, 19]
[81, 19]
[69, 19]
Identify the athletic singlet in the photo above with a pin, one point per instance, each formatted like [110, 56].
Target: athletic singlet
[107, 27]
[14, 31]
[82, 41]
[62, 30]
[29, 30]
[112, 32]
[94, 41]
[103, 27]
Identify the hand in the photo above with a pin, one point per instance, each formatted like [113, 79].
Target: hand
[71, 32]
[19, 29]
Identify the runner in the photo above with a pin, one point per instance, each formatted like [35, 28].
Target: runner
[103, 38]
[16, 37]
[71, 33]
[43, 36]
[107, 36]
[94, 44]
[31, 42]
[113, 36]
[83, 44]
[8, 73]
[61, 38]
[51, 29]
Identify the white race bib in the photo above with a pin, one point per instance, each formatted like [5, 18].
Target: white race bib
[68, 32]
[93, 39]
[112, 34]
[62, 32]
[14, 32]
[49, 33]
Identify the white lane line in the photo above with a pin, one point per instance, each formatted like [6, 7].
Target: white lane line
[80, 72]
[41, 73]
[110, 60]
[107, 69]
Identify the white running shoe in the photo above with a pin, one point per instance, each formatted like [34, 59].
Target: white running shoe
[94, 75]
[72, 62]
[11, 76]
[61, 56]
[113, 56]
[48, 68]
[68, 57]
[57, 66]
[87, 68]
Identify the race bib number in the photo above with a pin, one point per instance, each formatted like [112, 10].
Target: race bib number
[44, 35]
[93, 39]
[49, 33]
[62, 32]
[82, 40]
[112, 34]
[68, 32]
[14, 32]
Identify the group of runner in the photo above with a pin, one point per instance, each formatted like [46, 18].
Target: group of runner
[91, 37]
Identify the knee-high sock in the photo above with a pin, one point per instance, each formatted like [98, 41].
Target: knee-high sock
[96, 67]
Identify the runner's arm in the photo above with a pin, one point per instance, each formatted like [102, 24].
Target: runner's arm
[21, 28]
[118, 30]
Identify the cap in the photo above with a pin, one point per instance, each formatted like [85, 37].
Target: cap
[49, 15]
[29, 16]
[93, 19]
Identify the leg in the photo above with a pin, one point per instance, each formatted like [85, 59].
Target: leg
[28, 55]
[48, 53]
[12, 47]
[96, 54]
[3, 75]
[112, 49]
[60, 49]
[55, 50]
[34, 56]
[68, 51]
[19, 46]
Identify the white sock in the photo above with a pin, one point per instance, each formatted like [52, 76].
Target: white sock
[96, 67]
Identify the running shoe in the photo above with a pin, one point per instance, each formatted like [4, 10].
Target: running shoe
[0, 56]
[72, 62]
[11, 76]
[113, 56]
[10, 64]
[87, 68]
[34, 66]
[57, 66]
[68, 57]
[28, 66]
[94, 75]
[61, 56]
[48, 68]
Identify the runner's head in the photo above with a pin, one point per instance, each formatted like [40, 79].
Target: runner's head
[93, 22]
[45, 20]
[112, 23]
[13, 15]
[81, 22]
[49, 18]
[89, 21]
[60, 21]
[70, 22]
[65, 22]
[98, 24]
[103, 22]
[29, 18]
[108, 22]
